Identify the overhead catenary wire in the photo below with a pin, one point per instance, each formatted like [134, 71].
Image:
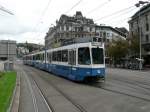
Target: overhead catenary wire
[118, 21]
[114, 21]
[119, 14]
[40, 18]
[5, 10]
[112, 14]
[42, 14]
[75, 5]
[99, 6]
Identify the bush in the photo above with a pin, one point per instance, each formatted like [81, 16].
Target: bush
[1, 74]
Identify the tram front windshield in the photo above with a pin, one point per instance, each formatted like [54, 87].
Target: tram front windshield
[97, 56]
[84, 56]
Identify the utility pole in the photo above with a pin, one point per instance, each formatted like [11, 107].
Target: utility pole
[5, 10]
[140, 43]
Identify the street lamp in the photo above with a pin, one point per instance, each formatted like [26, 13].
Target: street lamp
[138, 5]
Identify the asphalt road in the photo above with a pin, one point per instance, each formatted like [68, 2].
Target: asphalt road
[123, 91]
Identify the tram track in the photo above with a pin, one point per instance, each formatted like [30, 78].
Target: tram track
[138, 79]
[77, 105]
[142, 86]
[127, 94]
[31, 83]
[96, 85]
[50, 108]
[32, 94]
[101, 86]
[134, 83]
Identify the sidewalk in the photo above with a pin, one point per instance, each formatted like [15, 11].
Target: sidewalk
[14, 106]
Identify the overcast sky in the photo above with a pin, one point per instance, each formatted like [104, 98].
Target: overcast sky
[32, 18]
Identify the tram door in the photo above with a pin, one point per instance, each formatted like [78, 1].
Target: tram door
[72, 63]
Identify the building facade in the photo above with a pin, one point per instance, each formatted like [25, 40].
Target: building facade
[69, 27]
[139, 26]
[108, 34]
[77, 27]
[7, 50]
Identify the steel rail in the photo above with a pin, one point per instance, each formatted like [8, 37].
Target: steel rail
[78, 106]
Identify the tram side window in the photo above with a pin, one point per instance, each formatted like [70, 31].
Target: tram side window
[33, 57]
[72, 57]
[41, 56]
[64, 56]
[84, 56]
[54, 54]
[38, 56]
[30, 57]
[97, 55]
[58, 55]
[49, 57]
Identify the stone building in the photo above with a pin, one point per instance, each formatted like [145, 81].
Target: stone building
[108, 33]
[69, 27]
[7, 50]
[78, 27]
[140, 25]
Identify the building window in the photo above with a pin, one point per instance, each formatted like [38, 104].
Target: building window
[132, 33]
[62, 28]
[67, 28]
[101, 34]
[104, 34]
[96, 34]
[146, 17]
[99, 39]
[138, 30]
[107, 40]
[131, 25]
[76, 29]
[108, 34]
[90, 29]
[147, 38]
[147, 27]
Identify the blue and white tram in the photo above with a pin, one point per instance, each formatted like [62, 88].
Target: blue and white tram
[76, 62]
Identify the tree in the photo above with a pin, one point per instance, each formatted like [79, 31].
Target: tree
[134, 45]
[117, 50]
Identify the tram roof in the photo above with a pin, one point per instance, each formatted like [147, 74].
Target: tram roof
[72, 46]
[77, 45]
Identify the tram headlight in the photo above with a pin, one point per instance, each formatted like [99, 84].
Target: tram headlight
[98, 71]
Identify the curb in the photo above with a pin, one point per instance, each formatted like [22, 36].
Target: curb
[14, 105]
